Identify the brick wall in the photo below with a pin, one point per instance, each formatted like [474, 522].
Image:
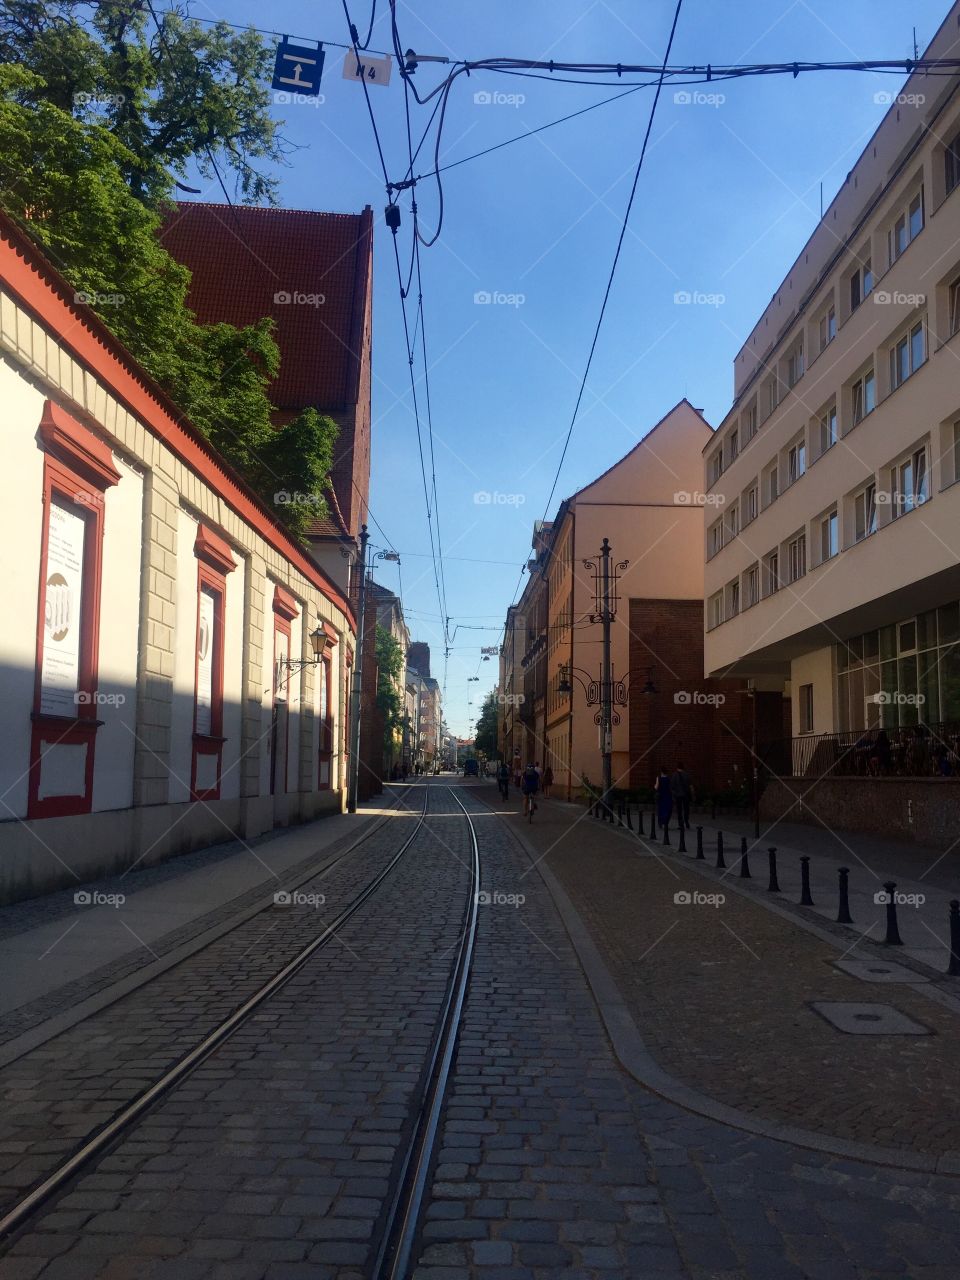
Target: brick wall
[923, 810]
[708, 724]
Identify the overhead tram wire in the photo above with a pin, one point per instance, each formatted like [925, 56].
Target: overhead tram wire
[406, 327]
[616, 257]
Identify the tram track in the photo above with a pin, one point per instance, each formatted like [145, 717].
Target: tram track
[398, 1222]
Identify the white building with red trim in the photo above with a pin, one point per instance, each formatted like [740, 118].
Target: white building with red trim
[157, 675]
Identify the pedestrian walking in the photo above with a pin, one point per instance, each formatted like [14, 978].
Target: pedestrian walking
[503, 779]
[681, 788]
[530, 785]
[547, 782]
[517, 770]
[664, 793]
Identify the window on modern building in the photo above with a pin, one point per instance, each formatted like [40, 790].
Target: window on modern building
[733, 598]
[828, 429]
[829, 536]
[906, 228]
[863, 397]
[797, 556]
[715, 466]
[733, 444]
[750, 504]
[795, 365]
[796, 461]
[749, 422]
[953, 318]
[951, 163]
[861, 284]
[772, 394]
[714, 538]
[716, 609]
[733, 521]
[865, 512]
[753, 585]
[772, 483]
[828, 328]
[907, 355]
[909, 483]
[771, 565]
[806, 708]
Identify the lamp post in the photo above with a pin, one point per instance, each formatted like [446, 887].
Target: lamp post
[355, 692]
[605, 578]
[318, 643]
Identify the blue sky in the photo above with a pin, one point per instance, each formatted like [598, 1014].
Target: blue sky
[729, 193]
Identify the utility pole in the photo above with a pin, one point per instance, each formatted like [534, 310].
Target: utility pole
[355, 693]
[605, 579]
[606, 681]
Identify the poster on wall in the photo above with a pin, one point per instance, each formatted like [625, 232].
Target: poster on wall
[205, 644]
[62, 611]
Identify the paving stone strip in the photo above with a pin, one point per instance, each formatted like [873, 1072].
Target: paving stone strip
[280, 1148]
[724, 994]
[555, 1163]
[58, 1094]
[25, 916]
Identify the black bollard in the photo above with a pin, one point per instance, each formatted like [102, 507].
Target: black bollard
[619, 813]
[682, 846]
[629, 823]
[744, 861]
[954, 966]
[774, 885]
[720, 862]
[700, 853]
[641, 830]
[893, 938]
[805, 898]
[653, 823]
[843, 914]
[666, 832]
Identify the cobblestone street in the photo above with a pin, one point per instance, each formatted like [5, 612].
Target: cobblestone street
[279, 1155]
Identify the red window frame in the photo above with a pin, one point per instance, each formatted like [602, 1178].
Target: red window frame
[284, 611]
[214, 561]
[325, 751]
[78, 469]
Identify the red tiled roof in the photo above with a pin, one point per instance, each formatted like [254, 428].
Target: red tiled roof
[242, 257]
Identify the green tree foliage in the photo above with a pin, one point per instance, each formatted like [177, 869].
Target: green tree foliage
[486, 736]
[97, 118]
[390, 668]
[175, 93]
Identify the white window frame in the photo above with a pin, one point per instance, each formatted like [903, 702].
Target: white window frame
[796, 461]
[797, 557]
[753, 585]
[865, 498]
[905, 345]
[829, 536]
[859, 390]
[829, 429]
[910, 482]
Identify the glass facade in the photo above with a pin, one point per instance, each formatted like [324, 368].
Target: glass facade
[904, 674]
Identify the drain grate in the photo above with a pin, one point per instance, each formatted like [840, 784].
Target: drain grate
[879, 971]
[868, 1019]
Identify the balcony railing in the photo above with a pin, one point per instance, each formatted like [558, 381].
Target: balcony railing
[915, 751]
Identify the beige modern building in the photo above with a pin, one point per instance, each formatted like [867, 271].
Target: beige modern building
[833, 525]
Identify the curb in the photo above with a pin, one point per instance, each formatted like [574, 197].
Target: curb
[635, 1058]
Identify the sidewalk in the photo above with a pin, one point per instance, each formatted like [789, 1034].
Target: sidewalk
[927, 879]
[741, 1001]
[54, 949]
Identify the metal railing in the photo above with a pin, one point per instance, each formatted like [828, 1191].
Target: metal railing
[915, 751]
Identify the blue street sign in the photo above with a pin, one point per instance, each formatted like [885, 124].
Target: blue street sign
[298, 69]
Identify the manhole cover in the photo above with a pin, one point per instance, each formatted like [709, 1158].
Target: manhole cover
[878, 971]
[868, 1019]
